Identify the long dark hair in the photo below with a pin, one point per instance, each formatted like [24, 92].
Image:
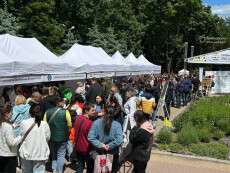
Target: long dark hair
[35, 112]
[6, 109]
[108, 119]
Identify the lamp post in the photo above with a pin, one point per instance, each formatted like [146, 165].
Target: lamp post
[185, 54]
[192, 51]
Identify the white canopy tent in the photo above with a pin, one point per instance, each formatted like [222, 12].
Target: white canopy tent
[26, 60]
[94, 61]
[142, 67]
[183, 72]
[144, 61]
[29, 56]
[117, 57]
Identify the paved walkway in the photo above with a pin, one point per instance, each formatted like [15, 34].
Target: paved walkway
[172, 164]
[174, 113]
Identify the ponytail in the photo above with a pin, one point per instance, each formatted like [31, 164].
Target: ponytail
[35, 112]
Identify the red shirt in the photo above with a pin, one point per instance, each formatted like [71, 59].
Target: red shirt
[82, 126]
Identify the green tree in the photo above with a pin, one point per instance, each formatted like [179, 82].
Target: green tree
[8, 23]
[69, 39]
[107, 40]
[37, 20]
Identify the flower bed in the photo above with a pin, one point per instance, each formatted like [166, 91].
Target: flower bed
[200, 130]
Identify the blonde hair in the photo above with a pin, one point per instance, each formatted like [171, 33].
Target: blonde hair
[20, 99]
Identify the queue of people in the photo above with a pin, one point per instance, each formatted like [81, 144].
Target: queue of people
[42, 125]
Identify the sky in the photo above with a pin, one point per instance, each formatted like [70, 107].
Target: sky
[219, 7]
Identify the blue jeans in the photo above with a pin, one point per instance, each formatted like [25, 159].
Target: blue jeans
[58, 150]
[69, 148]
[31, 166]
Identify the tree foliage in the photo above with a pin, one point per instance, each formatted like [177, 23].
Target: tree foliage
[8, 23]
[156, 28]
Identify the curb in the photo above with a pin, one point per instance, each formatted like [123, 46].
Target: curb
[190, 157]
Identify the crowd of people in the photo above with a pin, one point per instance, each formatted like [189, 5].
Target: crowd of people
[53, 123]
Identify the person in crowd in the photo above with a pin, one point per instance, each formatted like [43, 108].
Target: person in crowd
[47, 99]
[76, 109]
[77, 104]
[169, 98]
[156, 90]
[147, 103]
[141, 138]
[20, 113]
[34, 150]
[196, 84]
[36, 98]
[2, 101]
[80, 89]
[118, 109]
[100, 106]
[94, 90]
[106, 137]
[130, 107]
[5, 94]
[8, 142]
[59, 121]
[115, 92]
[4, 98]
[82, 127]
[187, 85]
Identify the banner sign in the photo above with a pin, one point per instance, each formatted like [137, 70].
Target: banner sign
[221, 57]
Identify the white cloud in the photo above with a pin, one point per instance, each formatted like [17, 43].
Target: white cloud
[221, 10]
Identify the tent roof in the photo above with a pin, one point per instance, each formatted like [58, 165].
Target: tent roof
[80, 55]
[218, 57]
[143, 60]
[92, 59]
[131, 59]
[28, 56]
[119, 58]
[26, 49]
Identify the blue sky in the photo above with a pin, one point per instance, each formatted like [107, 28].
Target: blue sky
[219, 7]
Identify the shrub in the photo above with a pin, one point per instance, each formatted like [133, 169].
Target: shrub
[223, 124]
[204, 135]
[187, 135]
[163, 147]
[214, 150]
[164, 136]
[177, 148]
[217, 134]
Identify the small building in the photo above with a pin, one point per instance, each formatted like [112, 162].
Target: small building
[214, 65]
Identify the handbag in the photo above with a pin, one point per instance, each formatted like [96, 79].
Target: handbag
[103, 163]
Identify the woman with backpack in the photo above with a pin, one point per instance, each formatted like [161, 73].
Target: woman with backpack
[8, 142]
[141, 138]
[106, 137]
